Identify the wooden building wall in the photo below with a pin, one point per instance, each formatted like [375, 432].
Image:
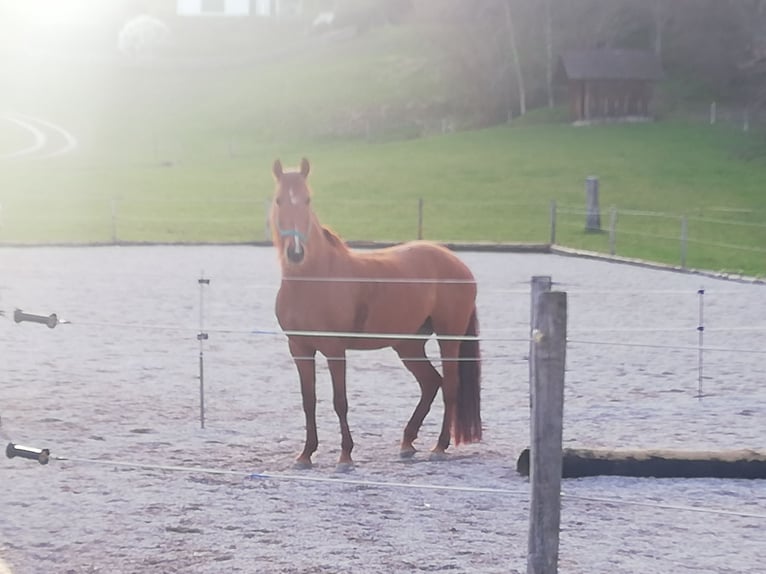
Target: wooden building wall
[595, 99]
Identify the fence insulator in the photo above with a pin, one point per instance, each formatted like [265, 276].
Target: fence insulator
[51, 320]
[41, 455]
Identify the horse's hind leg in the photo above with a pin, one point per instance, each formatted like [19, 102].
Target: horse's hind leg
[449, 352]
[413, 355]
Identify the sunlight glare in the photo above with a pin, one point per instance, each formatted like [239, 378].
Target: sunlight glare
[57, 14]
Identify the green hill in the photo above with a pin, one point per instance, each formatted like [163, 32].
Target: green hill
[180, 148]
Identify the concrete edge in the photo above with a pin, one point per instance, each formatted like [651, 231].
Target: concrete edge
[354, 244]
[581, 253]
[452, 245]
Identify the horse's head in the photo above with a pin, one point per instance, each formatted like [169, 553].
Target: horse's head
[291, 215]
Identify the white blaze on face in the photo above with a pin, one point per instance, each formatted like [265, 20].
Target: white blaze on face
[298, 246]
[294, 201]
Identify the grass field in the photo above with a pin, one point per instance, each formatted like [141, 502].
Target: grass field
[182, 154]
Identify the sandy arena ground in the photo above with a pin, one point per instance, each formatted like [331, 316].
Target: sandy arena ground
[120, 383]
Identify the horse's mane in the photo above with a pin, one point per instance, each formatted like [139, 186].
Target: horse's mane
[334, 239]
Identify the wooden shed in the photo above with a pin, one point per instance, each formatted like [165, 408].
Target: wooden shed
[609, 84]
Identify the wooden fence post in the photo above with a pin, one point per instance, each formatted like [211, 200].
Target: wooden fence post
[546, 430]
[540, 284]
[593, 213]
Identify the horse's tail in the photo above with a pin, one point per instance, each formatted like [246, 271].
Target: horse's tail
[467, 423]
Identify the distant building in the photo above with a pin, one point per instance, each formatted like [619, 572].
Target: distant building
[238, 8]
[609, 84]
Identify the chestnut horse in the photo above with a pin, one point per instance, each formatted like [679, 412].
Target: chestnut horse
[414, 290]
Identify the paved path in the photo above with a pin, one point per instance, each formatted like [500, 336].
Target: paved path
[47, 139]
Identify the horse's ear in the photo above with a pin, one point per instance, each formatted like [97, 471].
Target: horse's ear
[277, 169]
[305, 167]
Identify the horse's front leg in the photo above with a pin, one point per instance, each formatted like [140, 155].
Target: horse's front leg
[337, 365]
[304, 360]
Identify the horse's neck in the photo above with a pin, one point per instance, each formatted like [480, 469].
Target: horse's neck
[328, 255]
[333, 255]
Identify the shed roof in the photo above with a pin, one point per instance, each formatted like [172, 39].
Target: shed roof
[604, 64]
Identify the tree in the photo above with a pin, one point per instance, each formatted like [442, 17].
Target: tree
[659, 23]
[501, 54]
[549, 59]
[516, 60]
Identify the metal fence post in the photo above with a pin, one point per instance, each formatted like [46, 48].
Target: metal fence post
[114, 220]
[613, 231]
[553, 222]
[202, 336]
[593, 213]
[420, 218]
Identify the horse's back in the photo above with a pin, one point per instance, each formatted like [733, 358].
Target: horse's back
[429, 260]
[437, 284]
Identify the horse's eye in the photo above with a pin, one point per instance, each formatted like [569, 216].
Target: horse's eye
[308, 200]
[278, 201]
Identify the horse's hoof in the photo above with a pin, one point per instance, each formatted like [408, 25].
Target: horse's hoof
[344, 467]
[302, 464]
[437, 455]
[407, 453]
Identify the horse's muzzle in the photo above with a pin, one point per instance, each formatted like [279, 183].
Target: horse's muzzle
[295, 252]
[294, 245]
